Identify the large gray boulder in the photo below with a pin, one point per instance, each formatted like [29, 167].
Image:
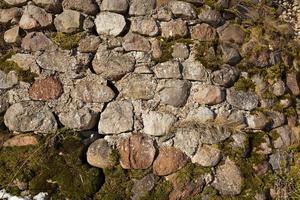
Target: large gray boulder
[108, 23]
[242, 100]
[112, 65]
[158, 123]
[30, 116]
[116, 118]
[182, 9]
[141, 7]
[117, 6]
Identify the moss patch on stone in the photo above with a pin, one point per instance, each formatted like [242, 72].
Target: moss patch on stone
[66, 41]
[161, 191]
[209, 54]
[7, 66]
[244, 84]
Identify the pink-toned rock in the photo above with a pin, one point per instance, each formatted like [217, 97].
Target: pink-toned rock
[208, 94]
[46, 89]
[21, 140]
[37, 41]
[292, 81]
[203, 32]
[168, 161]
[137, 152]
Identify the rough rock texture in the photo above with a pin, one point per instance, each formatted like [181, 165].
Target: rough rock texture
[157, 124]
[85, 6]
[137, 152]
[69, 21]
[116, 118]
[46, 89]
[110, 23]
[228, 179]
[141, 7]
[207, 156]
[208, 94]
[99, 154]
[118, 6]
[168, 161]
[30, 116]
[242, 100]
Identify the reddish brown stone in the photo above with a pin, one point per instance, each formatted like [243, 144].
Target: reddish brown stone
[292, 81]
[169, 160]
[137, 152]
[46, 89]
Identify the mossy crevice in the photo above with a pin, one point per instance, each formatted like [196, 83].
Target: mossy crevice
[66, 41]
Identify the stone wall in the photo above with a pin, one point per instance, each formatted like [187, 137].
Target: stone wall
[207, 91]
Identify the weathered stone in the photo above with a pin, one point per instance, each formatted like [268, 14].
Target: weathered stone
[174, 29]
[284, 137]
[242, 100]
[135, 42]
[16, 2]
[60, 61]
[207, 94]
[77, 118]
[7, 15]
[163, 14]
[278, 88]
[157, 123]
[116, 118]
[20, 141]
[211, 17]
[46, 89]
[4, 104]
[108, 23]
[169, 69]
[89, 44]
[182, 9]
[202, 115]
[112, 65]
[168, 161]
[260, 58]
[39, 15]
[54, 6]
[180, 51]
[144, 26]
[194, 70]
[30, 116]
[207, 156]
[292, 82]
[37, 41]
[141, 7]
[137, 86]
[25, 62]
[203, 32]
[278, 119]
[86, 6]
[99, 154]
[232, 33]
[91, 89]
[118, 6]
[174, 92]
[137, 152]
[12, 35]
[231, 55]
[142, 186]
[8, 80]
[257, 121]
[228, 179]
[187, 140]
[226, 76]
[68, 21]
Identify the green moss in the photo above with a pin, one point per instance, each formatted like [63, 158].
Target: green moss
[268, 95]
[161, 191]
[190, 173]
[117, 185]
[66, 41]
[58, 171]
[209, 54]
[139, 173]
[114, 156]
[244, 84]
[7, 66]
[275, 72]
[290, 112]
